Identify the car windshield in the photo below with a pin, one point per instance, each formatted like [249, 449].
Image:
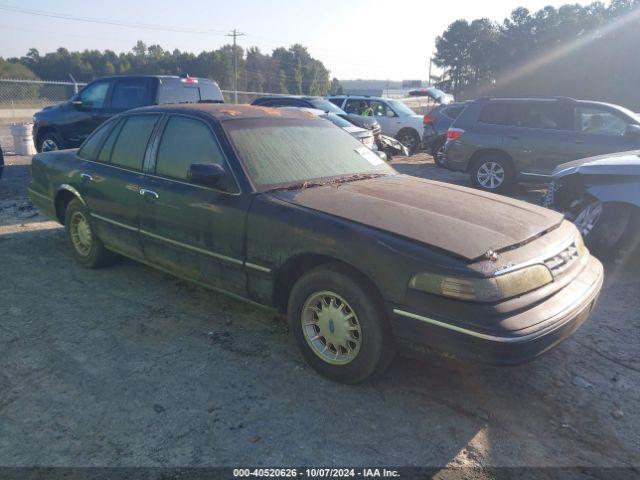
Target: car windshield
[287, 151]
[325, 106]
[400, 107]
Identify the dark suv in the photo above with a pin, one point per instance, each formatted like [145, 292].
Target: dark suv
[66, 125]
[503, 140]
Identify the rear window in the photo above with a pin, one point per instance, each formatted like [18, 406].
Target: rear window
[453, 112]
[128, 94]
[209, 92]
[174, 90]
[131, 144]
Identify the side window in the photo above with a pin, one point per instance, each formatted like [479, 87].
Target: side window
[381, 109]
[546, 116]
[131, 93]
[185, 141]
[128, 151]
[91, 146]
[95, 95]
[495, 114]
[356, 107]
[107, 147]
[600, 121]
[452, 112]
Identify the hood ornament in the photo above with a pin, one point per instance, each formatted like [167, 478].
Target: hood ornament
[491, 255]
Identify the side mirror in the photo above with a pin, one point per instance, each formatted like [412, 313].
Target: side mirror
[76, 102]
[632, 130]
[390, 113]
[206, 174]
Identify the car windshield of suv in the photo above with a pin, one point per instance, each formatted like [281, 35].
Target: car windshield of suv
[294, 151]
[400, 107]
[325, 106]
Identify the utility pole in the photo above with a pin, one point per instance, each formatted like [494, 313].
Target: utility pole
[235, 34]
[430, 61]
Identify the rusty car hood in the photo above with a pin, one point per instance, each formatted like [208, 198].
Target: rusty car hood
[460, 220]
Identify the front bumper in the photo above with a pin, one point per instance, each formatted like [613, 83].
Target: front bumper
[541, 327]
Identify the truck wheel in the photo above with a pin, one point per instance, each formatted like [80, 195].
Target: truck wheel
[49, 142]
[410, 139]
[492, 172]
[340, 325]
[86, 247]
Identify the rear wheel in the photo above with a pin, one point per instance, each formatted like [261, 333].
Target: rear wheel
[340, 325]
[86, 247]
[437, 152]
[492, 172]
[410, 139]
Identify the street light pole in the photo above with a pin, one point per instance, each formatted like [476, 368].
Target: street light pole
[235, 34]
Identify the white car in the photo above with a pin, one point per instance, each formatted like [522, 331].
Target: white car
[395, 118]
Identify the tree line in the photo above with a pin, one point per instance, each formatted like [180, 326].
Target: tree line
[578, 51]
[286, 70]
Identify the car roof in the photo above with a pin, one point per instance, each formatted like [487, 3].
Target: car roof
[297, 97]
[115, 77]
[225, 111]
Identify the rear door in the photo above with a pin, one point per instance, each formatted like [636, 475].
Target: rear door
[129, 93]
[537, 136]
[111, 182]
[600, 130]
[191, 230]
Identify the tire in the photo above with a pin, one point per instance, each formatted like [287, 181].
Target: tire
[502, 168]
[410, 139]
[351, 315]
[49, 142]
[87, 249]
[607, 228]
[437, 150]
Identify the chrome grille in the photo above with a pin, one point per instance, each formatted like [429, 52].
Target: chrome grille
[562, 261]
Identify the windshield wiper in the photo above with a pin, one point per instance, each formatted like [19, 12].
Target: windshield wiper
[333, 181]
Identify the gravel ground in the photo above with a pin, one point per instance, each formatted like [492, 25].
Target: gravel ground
[127, 366]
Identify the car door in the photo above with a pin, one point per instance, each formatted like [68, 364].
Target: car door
[390, 122]
[600, 130]
[191, 230]
[111, 182]
[91, 108]
[537, 136]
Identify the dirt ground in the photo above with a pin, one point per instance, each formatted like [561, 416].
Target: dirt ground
[127, 366]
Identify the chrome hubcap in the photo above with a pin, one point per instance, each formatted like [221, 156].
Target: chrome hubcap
[48, 145]
[331, 328]
[588, 218]
[490, 175]
[81, 234]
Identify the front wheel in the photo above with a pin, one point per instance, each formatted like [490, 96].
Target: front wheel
[607, 228]
[340, 325]
[492, 172]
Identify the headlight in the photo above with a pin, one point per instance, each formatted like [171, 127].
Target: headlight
[368, 141]
[491, 289]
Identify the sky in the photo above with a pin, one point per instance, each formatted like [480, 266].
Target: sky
[353, 38]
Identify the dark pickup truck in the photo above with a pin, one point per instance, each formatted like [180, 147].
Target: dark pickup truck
[287, 211]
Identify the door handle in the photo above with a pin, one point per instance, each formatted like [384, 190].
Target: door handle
[148, 193]
[86, 176]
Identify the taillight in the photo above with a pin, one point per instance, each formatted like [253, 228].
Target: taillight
[427, 119]
[454, 133]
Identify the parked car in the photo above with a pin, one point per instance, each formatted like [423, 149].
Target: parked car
[318, 103]
[501, 141]
[440, 119]
[66, 125]
[395, 118]
[388, 146]
[601, 195]
[286, 211]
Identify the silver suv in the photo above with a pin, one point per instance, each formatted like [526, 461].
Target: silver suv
[395, 118]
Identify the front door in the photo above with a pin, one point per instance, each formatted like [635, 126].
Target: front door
[91, 109]
[600, 130]
[191, 230]
[111, 183]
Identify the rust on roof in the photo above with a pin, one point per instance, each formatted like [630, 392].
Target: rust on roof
[227, 111]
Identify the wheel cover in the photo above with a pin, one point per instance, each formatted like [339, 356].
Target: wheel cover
[408, 141]
[490, 175]
[331, 328]
[440, 156]
[588, 217]
[81, 235]
[49, 145]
